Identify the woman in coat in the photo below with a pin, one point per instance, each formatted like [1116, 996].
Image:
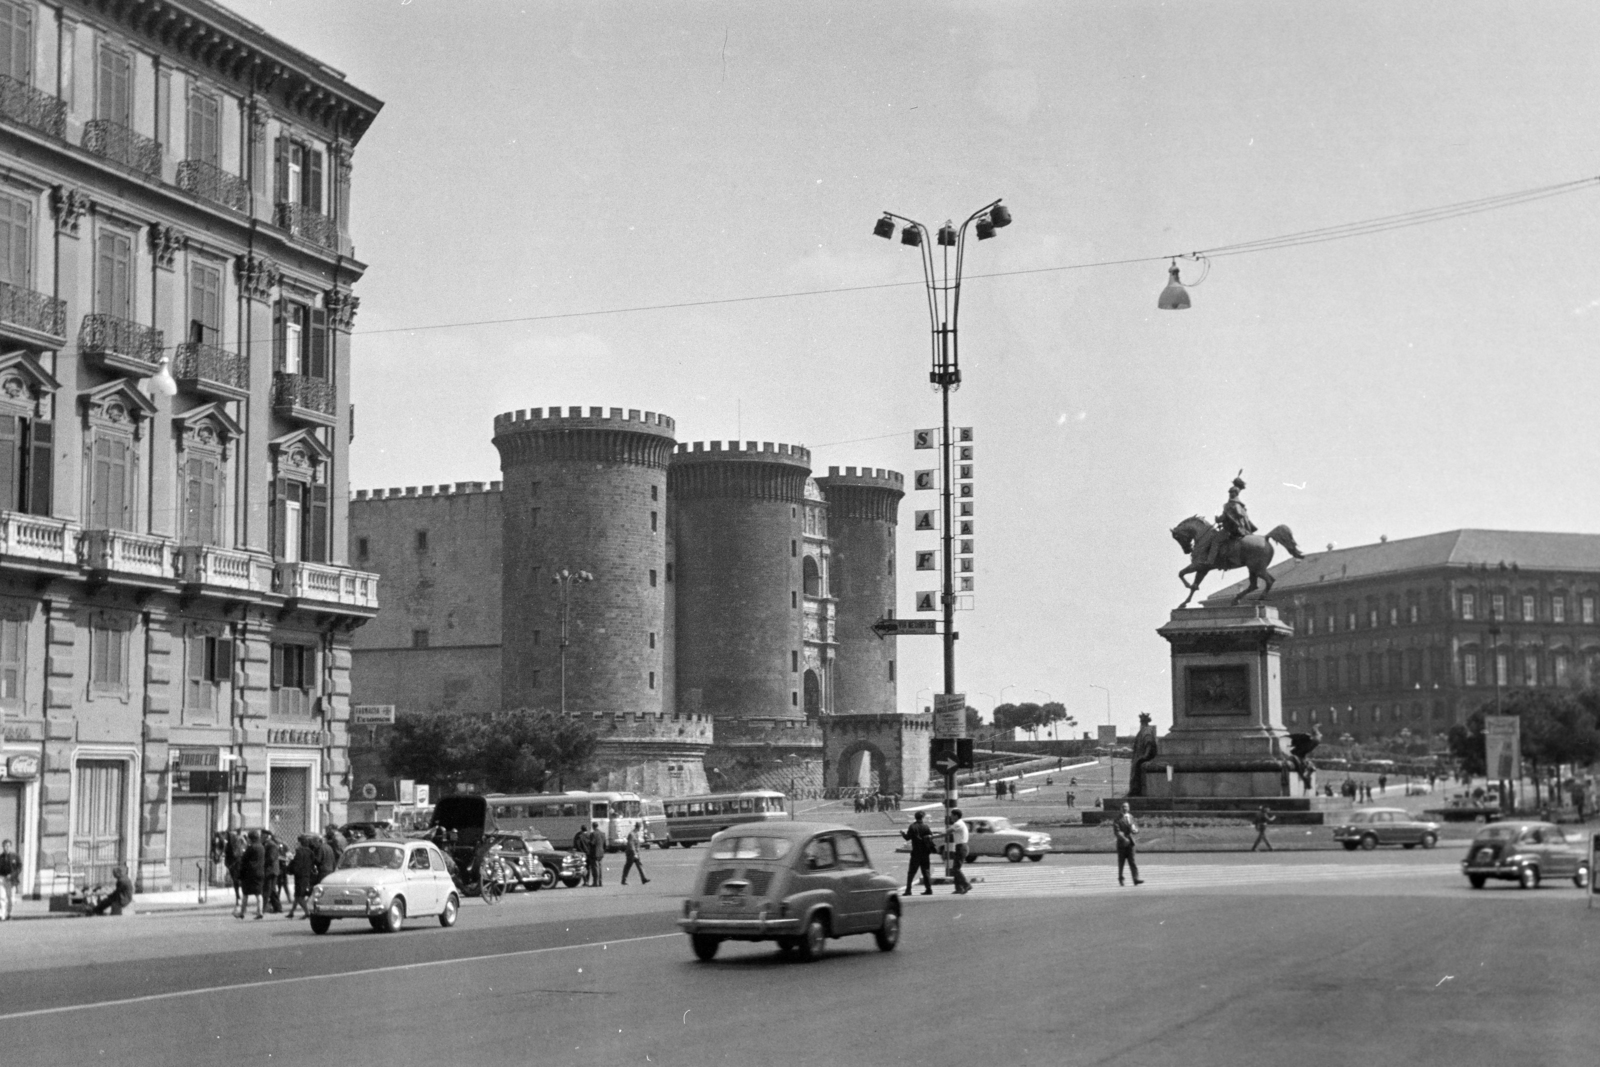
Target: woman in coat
[252, 874]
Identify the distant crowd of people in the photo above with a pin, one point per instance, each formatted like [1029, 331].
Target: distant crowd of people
[877, 802]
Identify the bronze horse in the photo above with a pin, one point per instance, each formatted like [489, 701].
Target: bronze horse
[1253, 552]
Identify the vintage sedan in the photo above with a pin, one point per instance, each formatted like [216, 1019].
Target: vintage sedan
[383, 882]
[998, 837]
[1370, 827]
[536, 862]
[1524, 852]
[797, 884]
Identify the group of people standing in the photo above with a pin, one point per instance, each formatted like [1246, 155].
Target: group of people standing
[261, 866]
[591, 845]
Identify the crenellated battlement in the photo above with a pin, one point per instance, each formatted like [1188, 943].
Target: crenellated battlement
[683, 729]
[412, 492]
[536, 420]
[867, 478]
[749, 452]
[765, 731]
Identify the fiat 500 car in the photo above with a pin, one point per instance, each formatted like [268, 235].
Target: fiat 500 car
[1525, 853]
[383, 882]
[796, 884]
[997, 837]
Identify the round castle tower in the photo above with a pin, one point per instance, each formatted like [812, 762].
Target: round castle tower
[588, 492]
[863, 514]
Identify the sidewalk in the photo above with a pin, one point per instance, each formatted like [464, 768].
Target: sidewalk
[163, 903]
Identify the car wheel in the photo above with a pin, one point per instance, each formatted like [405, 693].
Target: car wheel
[1581, 879]
[1476, 880]
[1429, 840]
[571, 883]
[887, 935]
[1528, 877]
[1349, 846]
[547, 880]
[705, 946]
[1369, 842]
[395, 917]
[1014, 853]
[815, 939]
[1037, 858]
[320, 924]
[452, 908]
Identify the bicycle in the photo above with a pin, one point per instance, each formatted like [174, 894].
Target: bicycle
[493, 877]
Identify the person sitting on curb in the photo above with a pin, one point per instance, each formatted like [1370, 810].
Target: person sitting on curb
[119, 896]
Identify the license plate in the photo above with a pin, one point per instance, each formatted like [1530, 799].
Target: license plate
[343, 901]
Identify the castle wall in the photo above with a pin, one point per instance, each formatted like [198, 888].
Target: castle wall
[863, 516]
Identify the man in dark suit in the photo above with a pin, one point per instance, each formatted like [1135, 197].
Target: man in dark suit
[920, 835]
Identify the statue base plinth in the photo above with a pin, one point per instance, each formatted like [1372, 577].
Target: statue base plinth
[1289, 811]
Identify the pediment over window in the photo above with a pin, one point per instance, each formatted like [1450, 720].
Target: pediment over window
[301, 451]
[23, 383]
[117, 403]
[207, 426]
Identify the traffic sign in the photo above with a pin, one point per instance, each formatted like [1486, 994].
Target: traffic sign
[371, 714]
[945, 764]
[905, 628]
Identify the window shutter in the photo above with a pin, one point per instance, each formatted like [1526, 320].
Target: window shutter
[120, 502]
[280, 187]
[41, 468]
[319, 345]
[277, 666]
[280, 346]
[11, 475]
[16, 242]
[222, 665]
[312, 196]
[317, 518]
[16, 42]
[278, 498]
[210, 501]
[191, 502]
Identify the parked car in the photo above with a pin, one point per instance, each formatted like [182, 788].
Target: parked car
[794, 883]
[1418, 789]
[997, 837]
[538, 864]
[1370, 827]
[1526, 853]
[383, 882]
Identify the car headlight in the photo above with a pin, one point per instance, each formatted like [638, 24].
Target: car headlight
[1515, 857]
[373, 893]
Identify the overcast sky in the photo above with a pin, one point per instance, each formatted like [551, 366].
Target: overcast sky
[555, 159]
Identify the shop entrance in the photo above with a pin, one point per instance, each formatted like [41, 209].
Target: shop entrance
[290, 799]
[97, 842]
[193, 820]
[11, 814]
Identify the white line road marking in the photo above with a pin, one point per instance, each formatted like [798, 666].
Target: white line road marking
[323, 977]
[1056, 881]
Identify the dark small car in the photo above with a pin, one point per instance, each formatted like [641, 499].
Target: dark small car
[1524, 852]
[535, 862]
[1370, 827]
[794, 883]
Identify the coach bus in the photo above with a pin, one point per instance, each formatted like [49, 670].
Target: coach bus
[559, 816]
[692, 820]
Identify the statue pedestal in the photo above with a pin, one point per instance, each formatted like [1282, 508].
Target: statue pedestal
[1227, 741]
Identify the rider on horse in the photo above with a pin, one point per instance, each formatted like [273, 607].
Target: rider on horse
[1234, 522]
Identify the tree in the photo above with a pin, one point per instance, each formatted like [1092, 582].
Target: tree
[1056, 712]
[511, 751]
[974, 721]
[1556, 727]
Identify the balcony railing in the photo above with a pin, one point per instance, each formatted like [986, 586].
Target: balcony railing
[121, 345]
[309, 225]
[329, 584]
[25, 104]
[299, 396]
[210, 182]
[213, 566]
[125, 552]
[39, 538]
[116, 142]
[33, 311]
[210, 369]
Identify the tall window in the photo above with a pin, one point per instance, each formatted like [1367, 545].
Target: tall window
[12, 632]
[114, 93]
[1469, 668]
[27, 464]
[209, 665]
[1469, 606]
[1558, 608]
[205, 303]
[299, 521]
[204, 125]
[302, 340]
[16, 42]
[299, 174]
[1530, 668]
[294, 680]
[202, 500]
[111, 488]
[113, 281]
[1586, 605]
[16, 239]
[108, 654]
[1528, 613]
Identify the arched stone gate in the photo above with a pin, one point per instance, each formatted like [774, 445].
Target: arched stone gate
[898, 745]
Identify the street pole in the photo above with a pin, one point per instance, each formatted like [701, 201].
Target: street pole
[944, 308]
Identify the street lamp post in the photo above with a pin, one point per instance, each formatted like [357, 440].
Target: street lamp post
[943, 284]
[564, 580]
[1507, 802]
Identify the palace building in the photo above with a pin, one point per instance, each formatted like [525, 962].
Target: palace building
[176, 268]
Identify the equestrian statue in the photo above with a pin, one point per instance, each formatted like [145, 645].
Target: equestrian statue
[1232, 541]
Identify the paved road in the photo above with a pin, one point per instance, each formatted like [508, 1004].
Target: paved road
[1249, 959]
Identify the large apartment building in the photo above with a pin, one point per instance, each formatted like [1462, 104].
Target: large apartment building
[1416, 634]
[175, 423]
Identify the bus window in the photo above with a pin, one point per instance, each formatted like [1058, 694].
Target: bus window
[598, 809]
[569, 811]
[499, 811]
[745, 804]
[696, 808]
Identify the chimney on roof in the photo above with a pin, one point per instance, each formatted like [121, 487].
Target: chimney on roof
[1383, 539]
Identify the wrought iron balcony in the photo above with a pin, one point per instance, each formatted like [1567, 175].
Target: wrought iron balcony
[328, 584]
[214, 184]
[38, 538]
[299, 396]
[120, 345]
[23, 103]
[127, 553]
[116, 142]
[209, 369]
[33, 311]
[308, 225]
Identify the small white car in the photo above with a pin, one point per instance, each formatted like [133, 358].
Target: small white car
[383, 882]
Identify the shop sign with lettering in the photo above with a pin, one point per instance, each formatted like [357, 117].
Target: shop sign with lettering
[22, 767]
[284, 736]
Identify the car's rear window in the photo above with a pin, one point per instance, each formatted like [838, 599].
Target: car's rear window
[1498, 833]
[750, 848]
[389, 857]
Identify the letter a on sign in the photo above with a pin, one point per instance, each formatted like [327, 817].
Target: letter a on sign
[927, 561]
[924, 438]
[923, 480]
[925, 601]
[926, 520]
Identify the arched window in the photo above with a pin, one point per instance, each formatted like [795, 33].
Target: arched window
[812, 576]
[813, 688]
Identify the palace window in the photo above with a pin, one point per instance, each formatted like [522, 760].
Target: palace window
[298, 500]
[27, 461]
[113, 276]
[114, 101]
[205, 304]
[1469, 668]
[208, 666]
[1529, 612]
[419, 638]
[1561, 668]
[13, 637]
[1587, 607]
[202, 498]
[294, 680]
[16, 42]
[108, 652]
[300, 340]
[299, 174]
[204, 127]
[1530, 668]
[1497, 606]
[1558, 608]
[16, 234]
[1469, 606]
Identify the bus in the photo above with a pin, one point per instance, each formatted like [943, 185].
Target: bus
[656, 831]
[692, 820]
[559, 816]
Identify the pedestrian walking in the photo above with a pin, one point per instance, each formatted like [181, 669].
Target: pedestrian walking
[596, 858]
[1261, 819]
[1383, 785]
[232, 852]
[252, 874]
[10, 876]
[958, 851]
[632, 846]
[1012, 786]
[1126, 830]
[327, 857]
[273, 858]
[920, 835]
[119, 896]
[303, 866]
